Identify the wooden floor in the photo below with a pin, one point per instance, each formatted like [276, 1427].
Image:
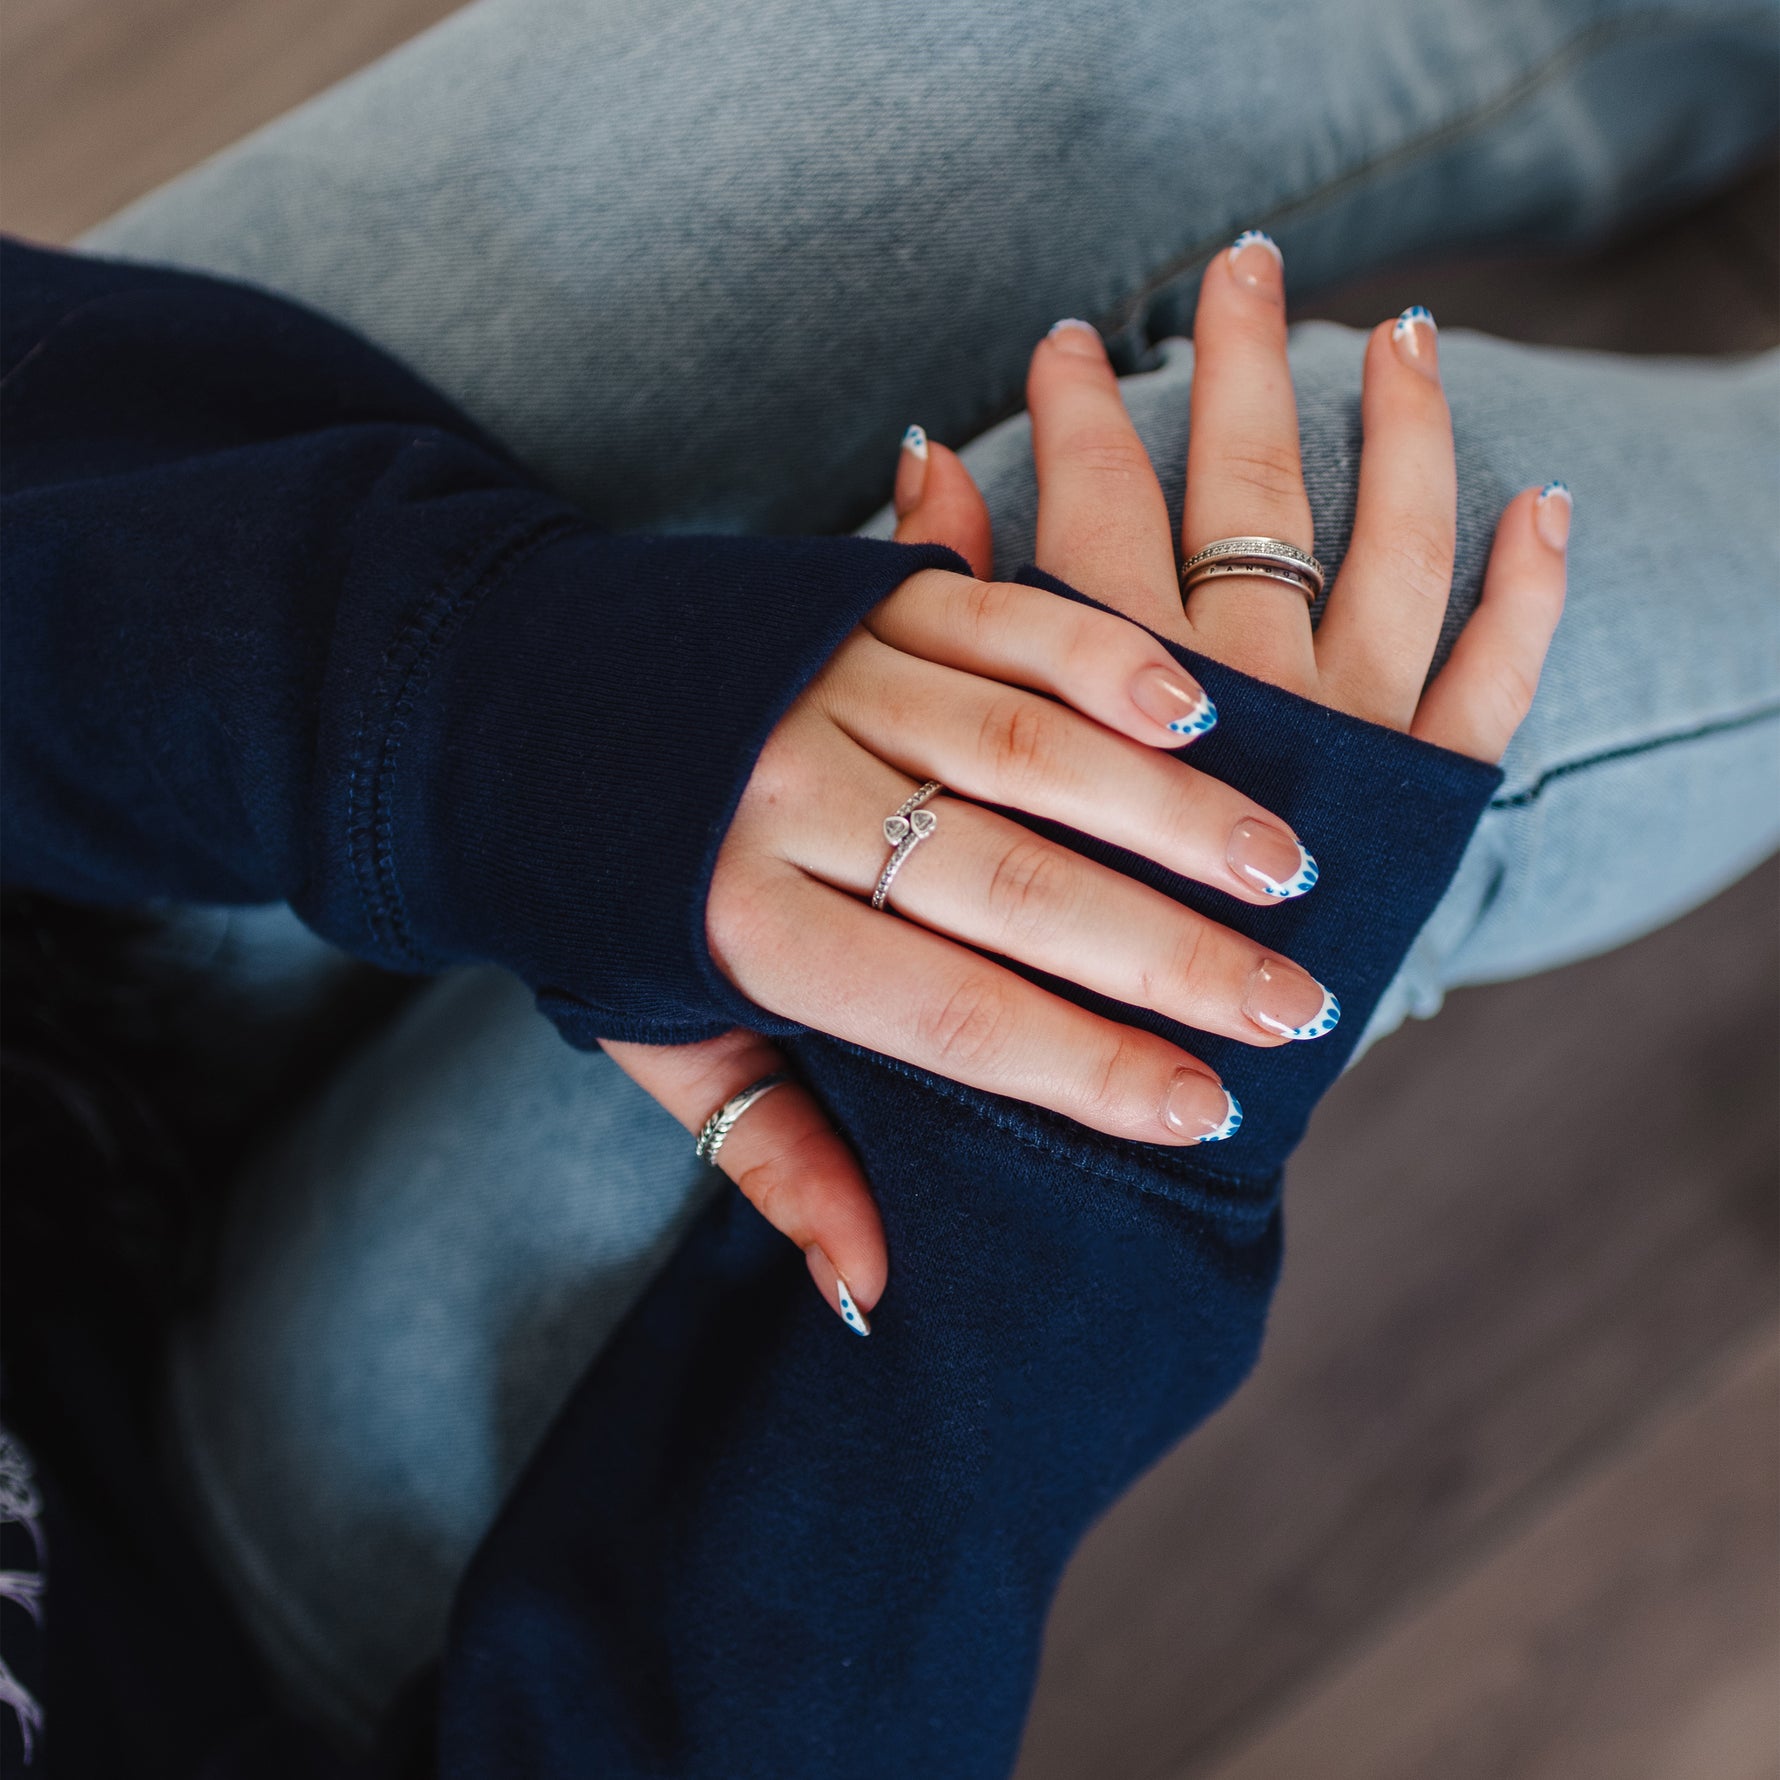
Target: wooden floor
[1501, 1502]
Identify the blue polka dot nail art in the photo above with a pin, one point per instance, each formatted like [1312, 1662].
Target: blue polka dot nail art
[851, 1314]
[1416, 315]
[1325, 1019]
[1256, 238]
[1196, 722]
[1232, 1121]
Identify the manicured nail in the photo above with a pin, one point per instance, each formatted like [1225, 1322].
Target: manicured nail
[1080, 339]
[1417, 340]
[911, 470]
[1289, 1002]
[1270, 859]
[1199, 1108]
[1257, 262]
[1175, 699]
[1551, 515]
[832, 1287]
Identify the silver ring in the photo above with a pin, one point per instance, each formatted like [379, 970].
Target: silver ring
[1274, 552]
[905, 831]
[1260, 571]
[725, 1119]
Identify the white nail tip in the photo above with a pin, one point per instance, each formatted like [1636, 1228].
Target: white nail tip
[1255, 238]
[914, 442]
[1300, 881]
[1068, 322]
[1232, 1121]
[1197, 721]
[1414, 316]
[851, 1314]
[1326, 1019]
[1557, 490]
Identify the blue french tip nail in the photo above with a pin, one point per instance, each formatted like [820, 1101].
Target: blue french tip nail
[851, 1314]
[1326, 1019]
[1256, 238]
[1232, 1121]
[1552, 488]
[914, 442]
[1197, 721]
[1300, 881]
[1415, 314]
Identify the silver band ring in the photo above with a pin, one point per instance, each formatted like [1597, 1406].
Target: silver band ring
[1223, 571]
[725, 1119]
[1274, 552]
[905, 831]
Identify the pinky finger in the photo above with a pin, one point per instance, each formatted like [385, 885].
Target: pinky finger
[789, 1162]
[1477, 701]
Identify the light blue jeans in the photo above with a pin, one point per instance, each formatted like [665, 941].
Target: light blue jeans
[699, 264]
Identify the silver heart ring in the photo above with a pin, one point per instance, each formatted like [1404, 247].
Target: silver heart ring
[905, 831]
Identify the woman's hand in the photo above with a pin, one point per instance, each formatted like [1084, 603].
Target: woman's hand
[932, 687]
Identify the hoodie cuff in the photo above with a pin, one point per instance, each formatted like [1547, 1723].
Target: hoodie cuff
[568, 745]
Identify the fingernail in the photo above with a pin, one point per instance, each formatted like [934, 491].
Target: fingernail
[1551, 514]
[1257, 262]
[1417, 340]
[1199, 1108]
[1080, 339]
[1270, 859]
[832, 1287]
[1174, 699]
[911, 470]
[1289, 1002]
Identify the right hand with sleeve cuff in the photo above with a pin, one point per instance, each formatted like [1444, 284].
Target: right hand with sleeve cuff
[1010, 695]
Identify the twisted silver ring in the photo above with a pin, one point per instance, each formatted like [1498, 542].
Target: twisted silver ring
[905, 830]
[1262, 556]
[724, 1120]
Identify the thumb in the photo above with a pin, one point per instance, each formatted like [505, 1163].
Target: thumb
[938, 503]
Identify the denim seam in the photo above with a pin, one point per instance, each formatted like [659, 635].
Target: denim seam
[421, 638]
[1516, 800]
[1588, 42]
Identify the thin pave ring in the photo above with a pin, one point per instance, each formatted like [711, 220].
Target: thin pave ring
[1255, 551]
[724, 1120]
[905, 831]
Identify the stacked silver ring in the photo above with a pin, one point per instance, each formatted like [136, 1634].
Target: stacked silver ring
[905, 830]
[1272, 559]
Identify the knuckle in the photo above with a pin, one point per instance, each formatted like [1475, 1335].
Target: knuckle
[1420, 556]
[1263, 467]
[1172, 980]
[1019, 740]
[1110, 452]
[970, 1028]
[1106, 1091]
[990, 610]
[1028, 890]
[1509, 690]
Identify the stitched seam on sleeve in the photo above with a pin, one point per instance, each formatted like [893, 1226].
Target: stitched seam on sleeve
[406, 667]
[1517, 800]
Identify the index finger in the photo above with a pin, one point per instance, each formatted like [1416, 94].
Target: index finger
[1102, 520]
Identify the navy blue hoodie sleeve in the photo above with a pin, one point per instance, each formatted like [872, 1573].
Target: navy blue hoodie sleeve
[281, 624]
[755, 1544]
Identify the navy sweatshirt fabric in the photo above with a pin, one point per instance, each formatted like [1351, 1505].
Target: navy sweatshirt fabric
[280, 623]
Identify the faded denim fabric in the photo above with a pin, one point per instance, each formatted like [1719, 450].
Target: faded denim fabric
[698, 265]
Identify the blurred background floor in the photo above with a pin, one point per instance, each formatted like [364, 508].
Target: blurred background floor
[1503, 1500]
